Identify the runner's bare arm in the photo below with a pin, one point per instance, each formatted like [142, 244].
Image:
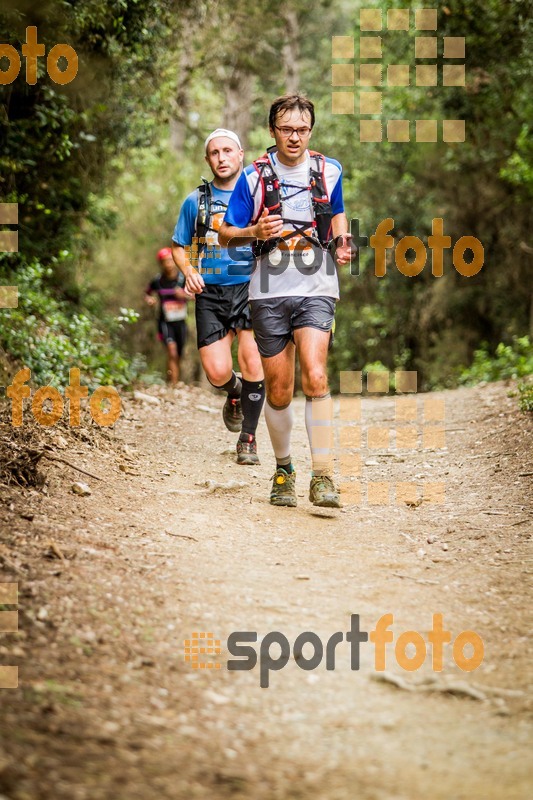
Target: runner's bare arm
[180, 258]
[194, 283]
[339, 224]
[339, 227]
[267, 227]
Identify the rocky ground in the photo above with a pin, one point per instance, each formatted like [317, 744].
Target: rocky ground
[174, 539]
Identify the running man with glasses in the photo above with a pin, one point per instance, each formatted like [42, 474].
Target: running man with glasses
[289, 202]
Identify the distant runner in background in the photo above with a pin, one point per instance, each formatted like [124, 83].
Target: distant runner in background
[168, 287]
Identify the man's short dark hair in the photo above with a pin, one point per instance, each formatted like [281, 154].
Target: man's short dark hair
[286, 103]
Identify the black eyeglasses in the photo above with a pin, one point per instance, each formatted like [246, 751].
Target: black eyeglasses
[301, 133]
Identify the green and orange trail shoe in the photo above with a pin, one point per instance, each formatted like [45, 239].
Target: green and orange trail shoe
[323, 492]
[283, 488]
[232, 414]
[247, 450]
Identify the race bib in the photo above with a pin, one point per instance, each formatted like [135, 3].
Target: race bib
[174, 312]
[297, 253]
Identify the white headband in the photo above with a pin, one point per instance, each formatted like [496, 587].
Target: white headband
[223, 132]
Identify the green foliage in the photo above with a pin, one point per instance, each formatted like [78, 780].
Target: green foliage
[481, 187]
[61, 148]
[58, 142]
[525, 401]
[94, 159]
[519, 167]
[45, 335]
[513, 360]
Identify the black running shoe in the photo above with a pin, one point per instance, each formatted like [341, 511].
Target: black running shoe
[247, 451]
[232, 414]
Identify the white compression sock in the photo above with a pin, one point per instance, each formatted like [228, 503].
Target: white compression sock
[319, 424]
[279, 423]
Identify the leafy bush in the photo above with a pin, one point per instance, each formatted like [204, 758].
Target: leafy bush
[526, 396]
[513, 360]
[51, 336]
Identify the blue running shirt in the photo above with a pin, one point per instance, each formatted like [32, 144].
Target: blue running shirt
[214, 263]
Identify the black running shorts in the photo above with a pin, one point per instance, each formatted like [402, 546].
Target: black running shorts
[173, 332]
[276, 318]
[220, 309]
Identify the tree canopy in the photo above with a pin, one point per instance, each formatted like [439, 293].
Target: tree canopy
[100, 166]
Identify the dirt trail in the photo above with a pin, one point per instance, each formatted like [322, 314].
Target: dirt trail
[112, 584]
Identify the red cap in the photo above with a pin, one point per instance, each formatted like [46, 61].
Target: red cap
[166, 252]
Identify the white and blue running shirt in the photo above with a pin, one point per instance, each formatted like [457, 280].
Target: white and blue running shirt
[245, 205]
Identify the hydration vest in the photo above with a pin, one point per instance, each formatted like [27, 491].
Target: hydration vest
[205, 211]
[271, 199]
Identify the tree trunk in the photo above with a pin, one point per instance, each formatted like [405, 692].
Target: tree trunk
[180, 109]
[238, 104]
[291, 51]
